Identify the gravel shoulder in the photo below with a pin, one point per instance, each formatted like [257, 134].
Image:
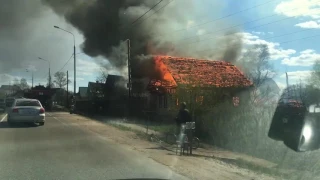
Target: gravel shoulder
[204, 164]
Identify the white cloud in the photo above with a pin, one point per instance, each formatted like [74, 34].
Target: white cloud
[276, 52]
[296, 77]
[297, 74]
[309, 25]
[259, 33]
[200, 31]
[6, 79]
[190, 23]
[281, 85]
[299, 8]
[305, 58]
[87, 68]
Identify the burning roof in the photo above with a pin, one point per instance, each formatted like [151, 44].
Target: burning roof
[197, 72]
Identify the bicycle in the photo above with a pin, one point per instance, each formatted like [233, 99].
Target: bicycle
[172, 138]
[154, 138]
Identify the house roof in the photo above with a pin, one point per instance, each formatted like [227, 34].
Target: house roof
[198, 72]
[95, 85]
[83, 91]
[5, 87]
[113, 79]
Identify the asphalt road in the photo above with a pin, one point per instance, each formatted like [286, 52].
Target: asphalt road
[60, 150]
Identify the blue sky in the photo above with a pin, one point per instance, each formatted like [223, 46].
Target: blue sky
[297, 19]
[269, 22]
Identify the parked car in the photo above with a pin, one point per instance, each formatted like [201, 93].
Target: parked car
[26, 110]
[2, 105]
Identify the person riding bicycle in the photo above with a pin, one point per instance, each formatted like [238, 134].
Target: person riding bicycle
[183, 116]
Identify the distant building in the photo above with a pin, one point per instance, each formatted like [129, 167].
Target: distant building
[11, 90]
[83, 92]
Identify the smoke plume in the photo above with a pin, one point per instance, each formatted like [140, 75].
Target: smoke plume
[106, 25]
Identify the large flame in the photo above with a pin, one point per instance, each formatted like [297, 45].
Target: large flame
[197, 72]
[165, 75]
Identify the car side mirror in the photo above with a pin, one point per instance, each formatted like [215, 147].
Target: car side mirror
[298, 128]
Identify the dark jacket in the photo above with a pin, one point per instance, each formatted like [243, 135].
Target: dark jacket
[183, 116]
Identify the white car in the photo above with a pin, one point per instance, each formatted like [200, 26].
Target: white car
[26, 110]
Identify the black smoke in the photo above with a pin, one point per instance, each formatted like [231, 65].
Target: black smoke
[106, 25]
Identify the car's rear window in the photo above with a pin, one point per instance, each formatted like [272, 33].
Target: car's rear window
[28, 103]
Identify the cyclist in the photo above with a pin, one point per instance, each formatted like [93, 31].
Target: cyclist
[183, 116]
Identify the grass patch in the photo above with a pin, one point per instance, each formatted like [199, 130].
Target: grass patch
[121, 127]
[254, 167]
[163, 128]
[138, 133]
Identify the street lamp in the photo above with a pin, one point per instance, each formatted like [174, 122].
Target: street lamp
[74, 55]
[32, 76]
[49, 70]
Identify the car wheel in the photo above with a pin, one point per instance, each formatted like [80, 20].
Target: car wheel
[41, 124]
[9, 122]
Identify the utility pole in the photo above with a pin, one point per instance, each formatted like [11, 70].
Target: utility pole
[49, 77]
[67, 89]
[129, 68]
[287, 80]
[32, 80]
[129, 82]
[74, 55]
[74, 59]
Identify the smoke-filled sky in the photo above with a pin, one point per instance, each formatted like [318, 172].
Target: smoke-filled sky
[197, 28]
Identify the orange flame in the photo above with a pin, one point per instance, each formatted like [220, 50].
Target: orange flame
[164, 72]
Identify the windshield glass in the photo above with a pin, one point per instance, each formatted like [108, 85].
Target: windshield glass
[162, 89]
[27, 103]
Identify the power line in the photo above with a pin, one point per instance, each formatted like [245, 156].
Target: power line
[239, 25]
[271, 37]
[284, 42]
[155, 12]
[222, 17]
[146, 12]
[272, 22]
[66, 63]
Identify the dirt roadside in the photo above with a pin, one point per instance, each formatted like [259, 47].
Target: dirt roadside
[202, 165]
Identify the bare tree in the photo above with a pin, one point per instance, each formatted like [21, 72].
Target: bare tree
[20, 84]
[102, 77]
[315, 75]
[60, 79]
[23, 84]
[256, 66]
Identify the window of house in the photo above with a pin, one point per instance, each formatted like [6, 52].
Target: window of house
[236, 101]
[160, 101]
[165, 101]
[199, 99]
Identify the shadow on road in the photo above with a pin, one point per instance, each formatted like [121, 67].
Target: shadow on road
[18, 125]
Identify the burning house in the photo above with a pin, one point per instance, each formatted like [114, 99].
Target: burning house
[196, 81]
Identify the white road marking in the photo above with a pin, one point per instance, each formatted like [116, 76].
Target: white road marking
[3, 117]
[60, 121]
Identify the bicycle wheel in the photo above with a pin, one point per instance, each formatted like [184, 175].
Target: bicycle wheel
[152, 138]
[171, 138]
[195, 143]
